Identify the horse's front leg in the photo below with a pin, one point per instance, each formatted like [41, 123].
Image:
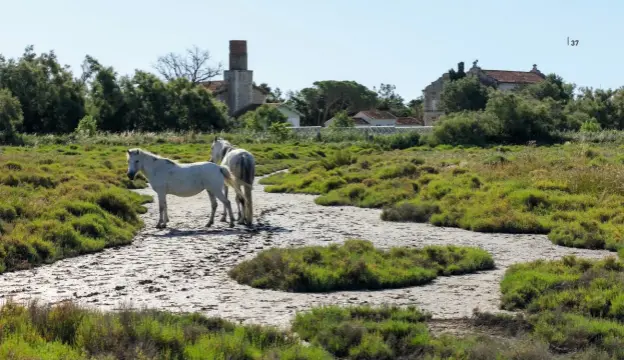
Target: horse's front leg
[213, 207]
[224, 217]
[162, 209]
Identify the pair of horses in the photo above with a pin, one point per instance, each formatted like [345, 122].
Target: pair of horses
[228, 166]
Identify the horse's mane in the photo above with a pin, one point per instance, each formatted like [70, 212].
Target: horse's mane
[151, 154]
[227, 147]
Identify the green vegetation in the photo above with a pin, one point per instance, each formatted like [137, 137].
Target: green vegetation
[574, 303]
[356, 265]
[365, 332]
[62, 201]
[67, 332]
[59, 202]
[571, 192]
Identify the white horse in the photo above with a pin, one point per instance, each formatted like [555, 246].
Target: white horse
[170, 177]
[243, 167]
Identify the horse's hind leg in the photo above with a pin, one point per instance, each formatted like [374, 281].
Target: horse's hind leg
[224, 217]
[226, 204]
[240, 203]
[213, 207]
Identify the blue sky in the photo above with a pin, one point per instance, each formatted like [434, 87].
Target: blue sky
[294, 43]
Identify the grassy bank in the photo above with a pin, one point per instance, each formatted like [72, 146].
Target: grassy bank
[571, 192]
[59, 201]
[356, 265]
[68, 332]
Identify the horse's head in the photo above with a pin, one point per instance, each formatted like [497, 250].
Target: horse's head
[216, 149]
[134, 163]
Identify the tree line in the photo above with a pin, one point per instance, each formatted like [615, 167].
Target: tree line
[40, 95]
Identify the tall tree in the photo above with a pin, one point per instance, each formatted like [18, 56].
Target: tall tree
[552, 87]
[417, 107]
[390, 101]
[464, 94]
[107, 98]
[193, 65]
[52, 100]
[331, 96]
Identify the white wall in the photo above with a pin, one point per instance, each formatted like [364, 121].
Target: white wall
[293, 118]
[382, 122]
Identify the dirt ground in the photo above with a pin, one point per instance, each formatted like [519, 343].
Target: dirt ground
[184, 267]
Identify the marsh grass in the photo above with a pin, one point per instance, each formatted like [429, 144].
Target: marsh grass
[573, 303]
[571, 192]
[58, 202]
[67, 332]
[356, 265]
[390, 332]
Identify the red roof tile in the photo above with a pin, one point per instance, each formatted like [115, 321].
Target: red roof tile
[408, 121]
[213, 85]
[377, 114]
[515, 77]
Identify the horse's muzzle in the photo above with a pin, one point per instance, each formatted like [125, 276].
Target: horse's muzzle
[131, 175]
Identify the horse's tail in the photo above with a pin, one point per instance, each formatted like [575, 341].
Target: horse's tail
[229, 179]
[248, 172]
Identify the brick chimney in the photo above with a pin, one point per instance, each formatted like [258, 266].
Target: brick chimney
[238, 55]
[535, 70]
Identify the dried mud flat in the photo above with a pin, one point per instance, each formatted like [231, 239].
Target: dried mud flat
[184, 267]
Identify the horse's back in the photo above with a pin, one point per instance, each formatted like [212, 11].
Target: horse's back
[241, 163]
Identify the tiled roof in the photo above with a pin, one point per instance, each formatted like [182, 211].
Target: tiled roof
[213, 85]
[409, 121]
[515, 77]
[377, 114]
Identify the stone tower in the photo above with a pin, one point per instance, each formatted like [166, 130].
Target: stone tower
[239, 80]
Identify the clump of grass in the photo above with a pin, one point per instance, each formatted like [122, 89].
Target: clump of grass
[356, 265]
[67, 332]
[365, 332]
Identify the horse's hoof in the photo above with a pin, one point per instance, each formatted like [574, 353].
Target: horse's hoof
[231, 224]
[223, 219]
[160, 226]
[209, 224]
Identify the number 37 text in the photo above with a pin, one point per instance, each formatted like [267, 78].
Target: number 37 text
[572, 42]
